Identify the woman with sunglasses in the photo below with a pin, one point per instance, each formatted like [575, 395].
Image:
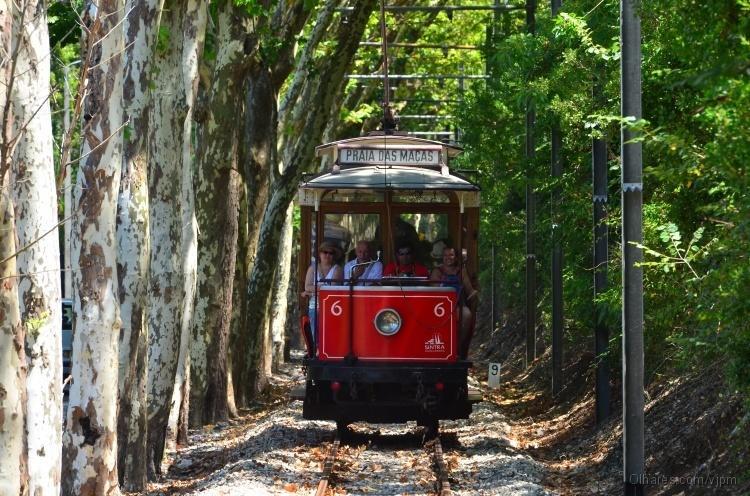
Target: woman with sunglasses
[451, 274]
[324, 272]
[405, 266]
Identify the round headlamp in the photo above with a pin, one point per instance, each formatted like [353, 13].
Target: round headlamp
[387, 322]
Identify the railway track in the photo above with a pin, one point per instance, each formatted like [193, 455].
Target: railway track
[360, 468]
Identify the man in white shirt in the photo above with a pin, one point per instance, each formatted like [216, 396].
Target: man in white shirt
[367, 273]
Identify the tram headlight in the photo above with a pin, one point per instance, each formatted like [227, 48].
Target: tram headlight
[387, 322]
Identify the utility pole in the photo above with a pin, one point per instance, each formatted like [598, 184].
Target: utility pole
[632, 234]
[530, 209]
[601, 262]
[67, 192]
[557, 250]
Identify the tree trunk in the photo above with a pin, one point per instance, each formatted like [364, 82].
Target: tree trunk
[237, 334]
[140, 28]
[320, 97]
[172, 103]
[293, 336]
[217, 204]
[191, 54]
[14, 475]
[280, 291]
[90, 437]
[33, 178]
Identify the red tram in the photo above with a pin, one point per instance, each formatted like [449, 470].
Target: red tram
[386, 349]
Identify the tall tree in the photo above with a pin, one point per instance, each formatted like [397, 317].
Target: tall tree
[170, 115]
[140, 26]
[14, 476]
[320, 96]
[38, 262]
[217, 205]
[191, 55]
[264, 80]
[90, 438]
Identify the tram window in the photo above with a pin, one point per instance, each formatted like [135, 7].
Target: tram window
[346, 229]
[426, 232]
[420, 196]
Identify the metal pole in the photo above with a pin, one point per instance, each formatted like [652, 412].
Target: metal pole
[68, 192]
[493, 310]
[601, 261]
[530, 210]
[557, 251]
[632, 232]
[557, 265]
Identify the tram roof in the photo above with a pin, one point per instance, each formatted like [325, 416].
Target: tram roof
[389, 178]
[388, 162]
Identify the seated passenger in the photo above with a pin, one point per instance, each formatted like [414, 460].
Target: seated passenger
[364, 270]
[450, 274]
[328, 271]
[405, 266]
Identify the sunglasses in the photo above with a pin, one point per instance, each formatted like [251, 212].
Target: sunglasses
[404, 253]
[327, 252]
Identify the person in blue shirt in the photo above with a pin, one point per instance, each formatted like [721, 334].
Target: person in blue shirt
[451, 274]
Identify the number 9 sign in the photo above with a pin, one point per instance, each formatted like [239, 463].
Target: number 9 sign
[493, 375]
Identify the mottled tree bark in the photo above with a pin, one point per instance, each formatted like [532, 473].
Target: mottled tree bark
[191, 54]
[90, 440]
[280, 290]
[14, 475]
[33, 179]
[172, 103]
[140, 27]
[217, 205]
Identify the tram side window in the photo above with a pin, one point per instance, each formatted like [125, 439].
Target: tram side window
[426, 232]
[346, 229]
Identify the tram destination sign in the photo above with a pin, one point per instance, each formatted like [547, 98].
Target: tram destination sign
[390, 156]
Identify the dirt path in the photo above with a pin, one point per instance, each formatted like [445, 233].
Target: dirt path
[272, 450]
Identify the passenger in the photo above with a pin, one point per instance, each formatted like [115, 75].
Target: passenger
[327, 271]
[367, 273]
[405, 266]
[450, 275]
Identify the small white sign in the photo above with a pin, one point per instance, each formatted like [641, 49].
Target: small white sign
[493, 375]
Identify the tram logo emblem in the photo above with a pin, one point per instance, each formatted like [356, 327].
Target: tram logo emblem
[435, 344]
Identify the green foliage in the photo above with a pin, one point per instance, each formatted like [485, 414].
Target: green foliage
[696, 220]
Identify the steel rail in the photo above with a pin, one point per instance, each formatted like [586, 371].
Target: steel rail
[328, 467]
[441, 470]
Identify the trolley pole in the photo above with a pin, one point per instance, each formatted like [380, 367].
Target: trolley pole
[632, 232]
[601, 262]
[493, 313]
[557, 250]
[530, 210]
